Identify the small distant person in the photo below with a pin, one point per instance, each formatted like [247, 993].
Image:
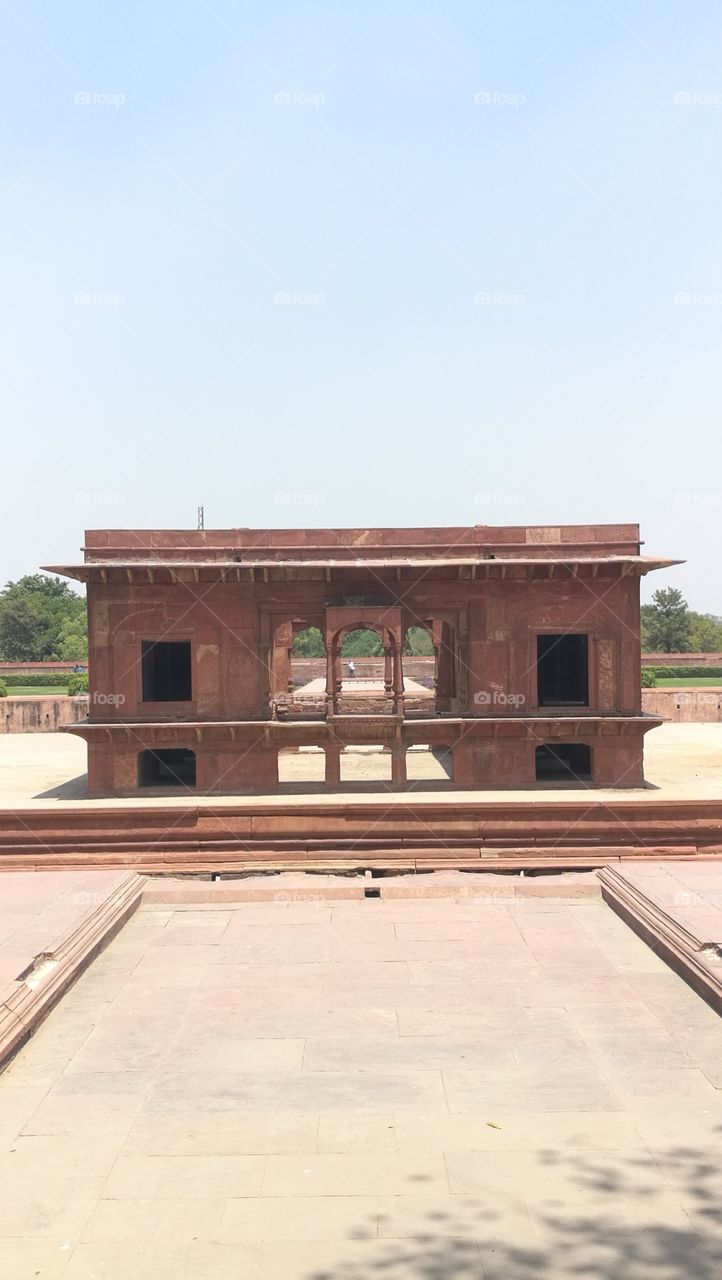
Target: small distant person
[351, 669]
[78, 670]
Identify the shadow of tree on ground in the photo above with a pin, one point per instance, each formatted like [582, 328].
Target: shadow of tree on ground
[594, 1215]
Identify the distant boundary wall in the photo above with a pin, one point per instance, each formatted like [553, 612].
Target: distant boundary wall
[684, 705]
[9, 669]
[41, 714]
[682, 659]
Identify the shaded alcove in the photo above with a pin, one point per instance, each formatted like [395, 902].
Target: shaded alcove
[563, 762]
[167, 767]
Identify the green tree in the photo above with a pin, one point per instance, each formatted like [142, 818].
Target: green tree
[666, 623]
[23, 630]
[38, 616]
[308, 644]
[706, 633]
[362, 644]
[73, 642]
[418, 643]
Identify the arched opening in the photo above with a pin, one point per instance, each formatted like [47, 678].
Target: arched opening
[167, 767]
[297, 676]
[563, 762]
[301, 764]
[364, 675]
[429, 764]
[362, 659]
[419, 671]
[363, 763]
[308, 661]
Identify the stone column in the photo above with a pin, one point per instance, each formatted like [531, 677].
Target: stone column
[398, 762]
[281, 673]
[333, 764]
[445, 669]
[398, 679]
[331, 681]
[388, 671]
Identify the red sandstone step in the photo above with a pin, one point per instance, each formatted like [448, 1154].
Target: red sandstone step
[269, 860]
[443, 834]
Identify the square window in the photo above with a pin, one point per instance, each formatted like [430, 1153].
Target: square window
[563, 670]
[166, 670]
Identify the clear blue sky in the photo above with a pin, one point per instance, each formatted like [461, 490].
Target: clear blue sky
[362, 264]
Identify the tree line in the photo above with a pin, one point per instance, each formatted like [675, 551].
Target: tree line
[41, 619]
[362, 643]
[670, 626]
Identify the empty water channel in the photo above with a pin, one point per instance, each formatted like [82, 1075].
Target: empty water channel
[287, 1090]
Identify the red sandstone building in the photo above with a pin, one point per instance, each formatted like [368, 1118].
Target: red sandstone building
[536, 668]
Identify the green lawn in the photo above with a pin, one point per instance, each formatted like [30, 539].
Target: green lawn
[691, 681]
[42, 691]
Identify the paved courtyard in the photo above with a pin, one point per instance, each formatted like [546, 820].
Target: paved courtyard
[392, 1089]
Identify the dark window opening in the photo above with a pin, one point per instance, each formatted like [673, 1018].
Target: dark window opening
[169, 767]
[562, 671]
[166, 666]
[563, 762]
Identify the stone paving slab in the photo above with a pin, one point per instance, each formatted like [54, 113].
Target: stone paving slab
[542, 1104]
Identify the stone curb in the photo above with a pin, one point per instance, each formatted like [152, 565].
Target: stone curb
[27, 1000]
[681, 950]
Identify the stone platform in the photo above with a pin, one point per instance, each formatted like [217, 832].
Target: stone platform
[44, 821]
[356, 835]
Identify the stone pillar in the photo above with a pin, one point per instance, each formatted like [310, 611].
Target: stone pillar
[333, 764]
[445, 662]
[388, 671]
[618, 761]
[243, 769]
[398, 763]
[281, 673]
[331, 682]
[398, 689]
[102, 771]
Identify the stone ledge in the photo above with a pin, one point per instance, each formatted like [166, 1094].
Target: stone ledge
[30, 997]
[683, 950]
[303, 887]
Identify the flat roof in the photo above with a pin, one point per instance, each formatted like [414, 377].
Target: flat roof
[149, 567]
[449, 536]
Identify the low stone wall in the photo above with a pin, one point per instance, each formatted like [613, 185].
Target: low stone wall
[684, 705]
[682, 659]
[8, 669]
[41, 714]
